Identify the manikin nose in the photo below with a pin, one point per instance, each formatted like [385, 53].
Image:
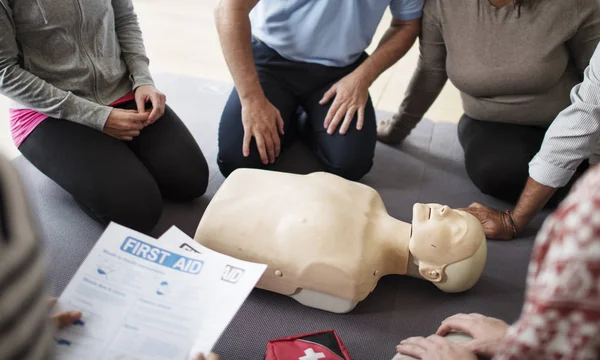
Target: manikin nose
[445, 210]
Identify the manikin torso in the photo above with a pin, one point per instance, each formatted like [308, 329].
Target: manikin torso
[327, 241]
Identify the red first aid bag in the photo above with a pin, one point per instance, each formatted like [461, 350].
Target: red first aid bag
[324, 345]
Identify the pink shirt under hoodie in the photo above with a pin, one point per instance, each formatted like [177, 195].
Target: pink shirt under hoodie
[24, 121]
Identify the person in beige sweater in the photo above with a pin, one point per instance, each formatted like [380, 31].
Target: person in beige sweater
[515, 63]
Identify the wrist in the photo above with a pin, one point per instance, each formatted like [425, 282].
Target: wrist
[511, 224]
[254, 98]
[365, 74]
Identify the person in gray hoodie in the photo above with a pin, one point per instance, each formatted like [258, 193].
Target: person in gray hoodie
[86, 113]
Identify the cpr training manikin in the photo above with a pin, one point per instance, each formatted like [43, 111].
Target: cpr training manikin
[327, 241]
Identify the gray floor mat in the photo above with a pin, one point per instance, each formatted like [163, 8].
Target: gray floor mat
[428, 167]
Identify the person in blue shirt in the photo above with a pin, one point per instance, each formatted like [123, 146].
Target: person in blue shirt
[307, 57]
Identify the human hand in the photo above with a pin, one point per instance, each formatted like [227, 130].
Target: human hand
[434, 347]
[392, 131]
[211, 356]
[124, 124]
[496, 224]
[351, 94]
[488, 333]
[262, 121]
[148, 93]
[64, 318]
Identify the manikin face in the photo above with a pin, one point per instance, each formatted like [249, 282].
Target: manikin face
[442, 236]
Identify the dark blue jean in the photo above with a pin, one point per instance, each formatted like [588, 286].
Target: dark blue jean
[295, 87]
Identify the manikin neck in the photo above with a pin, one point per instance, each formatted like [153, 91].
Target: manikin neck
[394, 237]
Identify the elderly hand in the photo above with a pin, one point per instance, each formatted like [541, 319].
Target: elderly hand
[487, 333]
[351, 94]
[434, 348]
[148, 93]
[496, 224]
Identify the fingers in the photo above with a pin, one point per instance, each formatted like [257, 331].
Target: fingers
[410, 350]
[262, 150]
[460, 322]
[276, 144]
[476, 205]
[64, 319]
[155, 114]
[449, 326]
[361, 118]
[336, 120]
[158, 106]
[280, 125]
[246, 143]
[270, 145]
[140, 101]
[436, 339]
[130, 133]
[328, 96]
[414, 346]
[333, 109]
[136, 117]
[347, 120]
[211, 356]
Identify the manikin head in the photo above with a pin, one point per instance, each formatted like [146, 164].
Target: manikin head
[448, 247]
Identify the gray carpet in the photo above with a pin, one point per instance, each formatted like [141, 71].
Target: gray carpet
[428, 167]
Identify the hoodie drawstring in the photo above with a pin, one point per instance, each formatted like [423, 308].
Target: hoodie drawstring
[43, 12]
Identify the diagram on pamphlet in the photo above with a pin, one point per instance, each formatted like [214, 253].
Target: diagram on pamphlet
[163, 288]
[105, 269]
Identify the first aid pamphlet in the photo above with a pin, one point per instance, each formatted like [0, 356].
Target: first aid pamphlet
[144, 298]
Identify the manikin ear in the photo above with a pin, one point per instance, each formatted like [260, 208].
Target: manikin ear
[433, 273]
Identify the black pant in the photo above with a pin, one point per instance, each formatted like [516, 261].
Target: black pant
[121, 181]
[291, 85]
[497, 157]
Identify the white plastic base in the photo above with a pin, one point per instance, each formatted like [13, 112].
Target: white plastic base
[454, 337]
[322, 301]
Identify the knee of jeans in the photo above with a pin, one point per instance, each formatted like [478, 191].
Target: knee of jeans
[136, 208]
[350, 168]
[229, 160]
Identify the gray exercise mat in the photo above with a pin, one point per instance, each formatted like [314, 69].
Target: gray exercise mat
[428, 167]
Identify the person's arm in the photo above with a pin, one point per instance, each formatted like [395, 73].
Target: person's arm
[132, 47]
[260, 118]
[351, 93]
[35, 93]
[560, 306]
[568, 142]
[570, 139]
[132, 43]
[427, 81]
[233, 24]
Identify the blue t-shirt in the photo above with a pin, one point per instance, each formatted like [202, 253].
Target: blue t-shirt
[327, 32]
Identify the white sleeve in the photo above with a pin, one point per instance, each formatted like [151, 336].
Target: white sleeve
[573, 136]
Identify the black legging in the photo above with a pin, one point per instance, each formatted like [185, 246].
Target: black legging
[290, 85]
[497, 157]
[121, 181]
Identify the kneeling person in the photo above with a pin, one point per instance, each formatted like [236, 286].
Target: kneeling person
[308, 55]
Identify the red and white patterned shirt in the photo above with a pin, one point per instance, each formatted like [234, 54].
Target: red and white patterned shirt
[561, 315]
